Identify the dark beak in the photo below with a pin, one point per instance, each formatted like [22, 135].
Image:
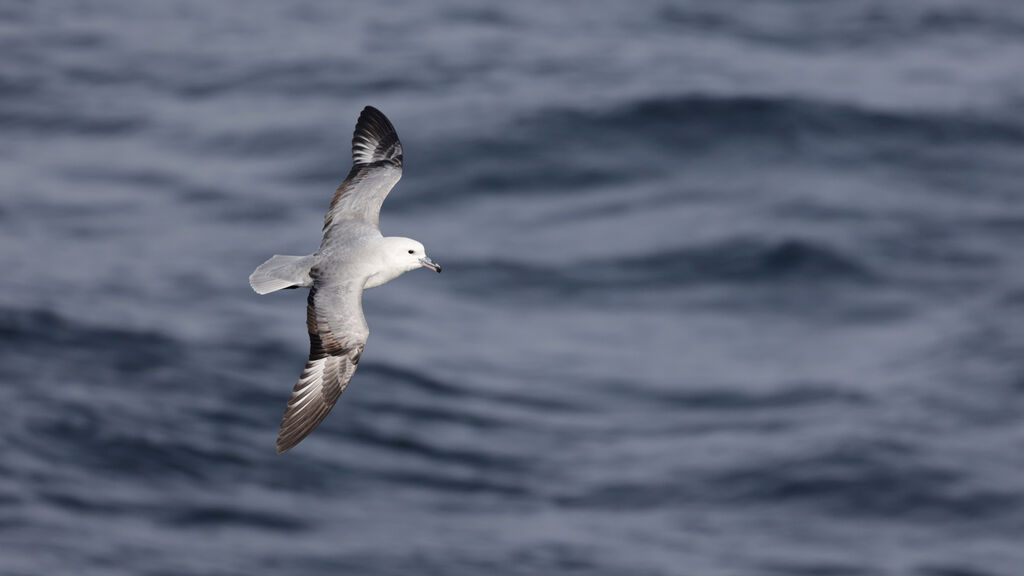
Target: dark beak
[428, 263]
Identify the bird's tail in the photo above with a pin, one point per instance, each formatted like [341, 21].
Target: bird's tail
[281, 272]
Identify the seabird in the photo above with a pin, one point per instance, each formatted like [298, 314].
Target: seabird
[353, 257]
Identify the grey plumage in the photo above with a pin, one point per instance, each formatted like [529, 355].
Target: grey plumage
[337, 335]
[376, 168]
[281, 272]
[353, 256]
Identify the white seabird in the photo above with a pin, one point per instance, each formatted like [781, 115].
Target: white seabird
[353, 256]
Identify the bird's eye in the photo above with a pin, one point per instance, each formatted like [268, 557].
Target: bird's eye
[412, 251]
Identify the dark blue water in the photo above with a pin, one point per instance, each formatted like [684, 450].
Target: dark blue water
[730, 288]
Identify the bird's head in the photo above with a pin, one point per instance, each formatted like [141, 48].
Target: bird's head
[411, 254]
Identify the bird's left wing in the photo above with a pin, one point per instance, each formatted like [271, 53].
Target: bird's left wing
[376, 168]
[337, 335]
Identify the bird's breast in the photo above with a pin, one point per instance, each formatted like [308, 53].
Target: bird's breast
[381, 277]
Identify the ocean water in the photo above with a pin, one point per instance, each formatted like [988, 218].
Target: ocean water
[730, 288]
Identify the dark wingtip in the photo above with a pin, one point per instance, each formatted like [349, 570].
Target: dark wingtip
[375, 139]
[282, 445]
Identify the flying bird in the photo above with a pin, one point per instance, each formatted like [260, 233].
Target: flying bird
[353, 257]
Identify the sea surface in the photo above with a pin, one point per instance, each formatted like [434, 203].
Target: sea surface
[730, 288]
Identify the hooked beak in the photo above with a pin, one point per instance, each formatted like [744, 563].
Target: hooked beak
[428, 263]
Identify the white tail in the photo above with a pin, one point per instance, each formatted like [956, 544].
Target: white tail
[281, 272]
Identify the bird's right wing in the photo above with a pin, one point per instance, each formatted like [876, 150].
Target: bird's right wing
[376, 168]
[337, 335]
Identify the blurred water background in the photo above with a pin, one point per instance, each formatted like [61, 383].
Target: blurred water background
[730, 288]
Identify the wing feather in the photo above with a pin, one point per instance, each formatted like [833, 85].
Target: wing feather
[375, 140]
[337, 336]
[376, 168]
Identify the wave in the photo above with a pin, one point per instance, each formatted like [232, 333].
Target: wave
[852, 26]
[865, 480]
[39, 332]
[739, 261]
[64, 118]
[719, 400]
[701, 120]
[224, 516]
[397, 376]
[746, 260]
[565, 150]
[875, 479]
